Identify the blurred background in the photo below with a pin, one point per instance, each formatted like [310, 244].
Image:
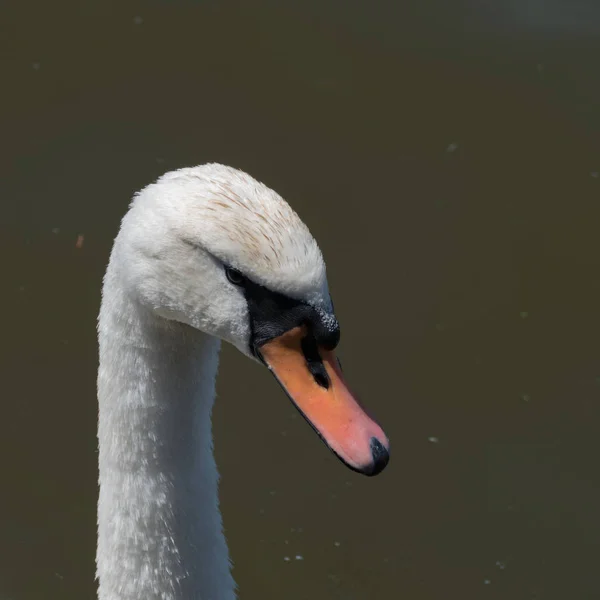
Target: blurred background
[446, 156]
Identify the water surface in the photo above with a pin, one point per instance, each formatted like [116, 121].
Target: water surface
[446, 156]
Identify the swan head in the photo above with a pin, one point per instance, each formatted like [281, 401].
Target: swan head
[213, 248]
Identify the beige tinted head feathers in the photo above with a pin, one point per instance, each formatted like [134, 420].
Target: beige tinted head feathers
[247, 225]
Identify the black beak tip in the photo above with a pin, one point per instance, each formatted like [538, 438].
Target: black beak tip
[381, 457]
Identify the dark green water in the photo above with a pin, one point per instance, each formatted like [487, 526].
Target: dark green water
[446, 155]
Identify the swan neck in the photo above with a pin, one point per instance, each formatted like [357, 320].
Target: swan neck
[159, 525]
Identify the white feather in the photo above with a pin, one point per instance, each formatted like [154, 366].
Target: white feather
[166, 304]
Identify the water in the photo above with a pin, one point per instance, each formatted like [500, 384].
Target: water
[445, 155]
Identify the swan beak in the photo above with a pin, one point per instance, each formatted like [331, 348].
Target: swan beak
[313, 380]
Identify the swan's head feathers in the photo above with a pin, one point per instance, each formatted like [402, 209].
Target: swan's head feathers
[191, 224]
[246, 224]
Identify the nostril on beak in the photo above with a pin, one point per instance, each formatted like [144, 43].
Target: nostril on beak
[381, 457]
[314, 362]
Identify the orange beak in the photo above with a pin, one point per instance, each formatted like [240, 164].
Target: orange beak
[319, 392]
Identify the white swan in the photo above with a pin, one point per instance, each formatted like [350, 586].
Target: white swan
[203, 254]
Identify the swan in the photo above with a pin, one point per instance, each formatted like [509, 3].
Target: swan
[203, 254]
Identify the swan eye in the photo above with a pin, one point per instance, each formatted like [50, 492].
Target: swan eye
[234, 276]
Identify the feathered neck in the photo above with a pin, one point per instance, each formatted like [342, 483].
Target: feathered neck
[159, 526]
